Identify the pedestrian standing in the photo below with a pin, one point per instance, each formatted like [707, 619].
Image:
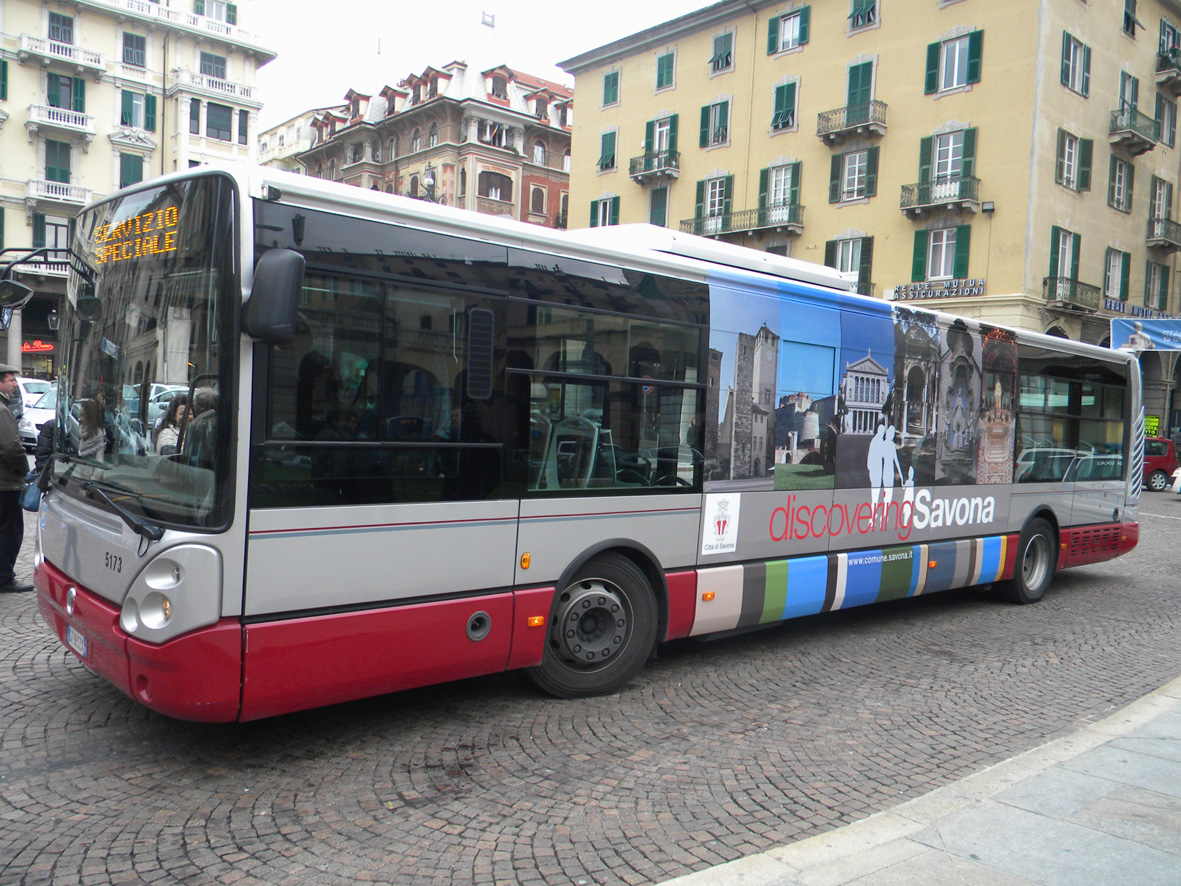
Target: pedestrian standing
[14, 465]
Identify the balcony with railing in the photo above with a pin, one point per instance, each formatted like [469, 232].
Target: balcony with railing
[862, 119]
[960, 192]
[1164, 234]
[61, 120]
[654, 165]
[1071, 295]
[1168, 71]
[213, 87]
[44, 50]
[1135, 132]
[57, 192]
[153, 12]
[786, 217]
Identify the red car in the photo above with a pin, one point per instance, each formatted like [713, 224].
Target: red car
[1160, 460]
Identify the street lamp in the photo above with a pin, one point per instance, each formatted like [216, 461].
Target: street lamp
[428, 184]
[54, 320]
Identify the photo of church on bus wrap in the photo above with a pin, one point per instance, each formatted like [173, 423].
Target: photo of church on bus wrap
[837, 427]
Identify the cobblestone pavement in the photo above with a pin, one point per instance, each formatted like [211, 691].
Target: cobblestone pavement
[716, 751]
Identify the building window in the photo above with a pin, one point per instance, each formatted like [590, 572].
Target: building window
[217, 9]
[1162, 199]
[665, 70]
[607, 152]
[611, 88]
[854, 176]
[1156, 286]
[393, 145]
[1130, 20]
[500, 87]
[1166, 120]
[61, 28]
[1170, 42]
[941, 254]
[1119, 184]
[788, 31]
[541, 109]
[67, 93]
[658, 207]
[539, 153]
[1076, 65]
[784, 114]
[244, 127]
[779, 192]
[495, 186]
[416, 141]
[218, 121]
[1064, 253]
[138, 111]
[723, 55]
[848, 255]
[713, 204]
[1117, 270]
[954, 64]
[135, 50]
[57, 161]
[604, 212]
[195, 117]
[213, 65]
[853, 255]
[131, 169]
[463, 183]
[432, 136]
[537, 201]
[1074, 161]
[715, 124]
[863, 13]
[489, 134]
[1129, 91]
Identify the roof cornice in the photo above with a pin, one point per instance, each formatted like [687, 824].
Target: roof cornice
[666, 32]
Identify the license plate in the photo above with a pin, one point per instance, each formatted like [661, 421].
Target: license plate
[76, 640]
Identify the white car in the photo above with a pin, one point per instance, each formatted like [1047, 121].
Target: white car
[39, 412]
[1175, 485]
[32, 389]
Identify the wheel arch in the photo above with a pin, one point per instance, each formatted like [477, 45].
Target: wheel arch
[1045, 512]
[641, 556]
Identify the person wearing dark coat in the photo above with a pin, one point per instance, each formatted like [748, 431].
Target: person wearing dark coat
[44, 451]
[14, 464]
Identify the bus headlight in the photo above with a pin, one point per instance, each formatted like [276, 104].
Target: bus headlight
[178, 591]
[155, 611]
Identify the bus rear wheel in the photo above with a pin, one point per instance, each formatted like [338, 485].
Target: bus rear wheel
[602, 630]
[1036, 555]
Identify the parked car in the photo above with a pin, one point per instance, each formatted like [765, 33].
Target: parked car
[32, 389]
[1160, 461]
[1043, 464]
[158, 403]
[35, 415]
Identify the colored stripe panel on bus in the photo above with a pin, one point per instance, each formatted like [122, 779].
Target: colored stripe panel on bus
[762, 593]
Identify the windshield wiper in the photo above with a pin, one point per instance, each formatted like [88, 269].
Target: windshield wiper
[141, 527]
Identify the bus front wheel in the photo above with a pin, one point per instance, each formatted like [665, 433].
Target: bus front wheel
[601, 631]
[1036, 555]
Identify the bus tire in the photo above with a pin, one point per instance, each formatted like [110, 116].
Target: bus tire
[602, 630]
[1034, 570]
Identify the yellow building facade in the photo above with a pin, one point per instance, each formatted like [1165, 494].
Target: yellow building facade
[1009, 160]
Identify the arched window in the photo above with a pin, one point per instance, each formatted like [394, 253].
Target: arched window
[319, 170]
[539, 153]
[433, 89]
[537, 201]
[332, 170]
[414, 186]
[433, 135]
[566, 161]
[463, 183]
[496, 186]
[416, 141]
[393, 147]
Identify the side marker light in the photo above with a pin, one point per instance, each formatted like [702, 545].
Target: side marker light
[525, 560]
[535, 621]
[708, 595]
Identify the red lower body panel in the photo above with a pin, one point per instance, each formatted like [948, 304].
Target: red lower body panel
[682, 603]
[197, 676]
[1080, 545]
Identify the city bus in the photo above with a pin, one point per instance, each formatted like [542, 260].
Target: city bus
[407, 444]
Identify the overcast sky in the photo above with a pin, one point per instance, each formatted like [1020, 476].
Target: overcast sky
[324, 54]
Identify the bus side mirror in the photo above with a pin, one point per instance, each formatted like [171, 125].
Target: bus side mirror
[14, 295]
[270, 313]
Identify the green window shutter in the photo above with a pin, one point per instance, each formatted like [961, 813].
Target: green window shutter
[918, 265]
[649, 136]
[834, 179]
[607, 151]
[594, 221]
[705, 126]
[793, 195]
[727, 195]
[871, 171]
[864, 269]
[963, 240]
[199, 7]
[1111, 167]
[1163, 294]
[925, 147]
[1055, 238]
[1075, 247]
[614, 210]
[231, 14]
[611, 88]
[131, 169]
[1085, 149]
[724, 119]
[968, 165]
[764, 175]
[79, 95]
[4, 80]
[150, 113]
[773, 35]
[53, 92]
[1060, 159]
[127, 115]
[699, 208]
[830, 253]
[860, 84]
[658, 207]
[1131, 184]
[1065, 58]
[975, 53]
[1168, 200]
[1086, 70]
[38, 230]
[1125, 276]
[805, 24]
[932, 82]
[672, 132]
[785, 106]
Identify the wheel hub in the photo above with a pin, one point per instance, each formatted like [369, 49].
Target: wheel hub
[592, 622]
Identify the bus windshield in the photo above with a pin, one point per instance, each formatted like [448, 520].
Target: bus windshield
[145, 406]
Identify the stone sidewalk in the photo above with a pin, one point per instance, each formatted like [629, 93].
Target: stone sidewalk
[1101, 806]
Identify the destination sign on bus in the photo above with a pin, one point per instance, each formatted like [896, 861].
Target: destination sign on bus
[147, 234]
